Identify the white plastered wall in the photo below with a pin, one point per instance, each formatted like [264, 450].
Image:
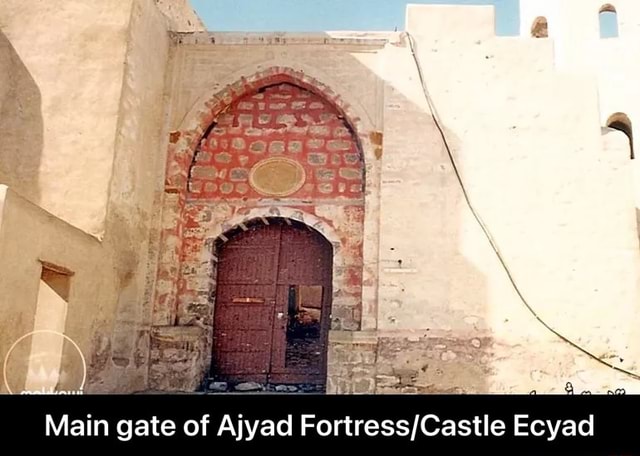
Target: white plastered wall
[557, 196]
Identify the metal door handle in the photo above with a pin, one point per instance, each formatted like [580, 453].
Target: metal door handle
[280, 315]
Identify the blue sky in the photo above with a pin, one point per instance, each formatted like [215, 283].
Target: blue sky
[321, 15]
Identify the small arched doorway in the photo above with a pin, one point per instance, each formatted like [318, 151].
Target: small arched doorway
[272, 304]
[621, 122]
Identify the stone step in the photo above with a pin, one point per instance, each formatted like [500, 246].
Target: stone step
[214, 386]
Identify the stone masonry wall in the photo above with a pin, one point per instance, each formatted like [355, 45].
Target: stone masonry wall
[175, 357]
[274, 122]
[282, 120]
[422, 364]
[352, 363]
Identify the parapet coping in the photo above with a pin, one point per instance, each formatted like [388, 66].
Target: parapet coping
[350, 38]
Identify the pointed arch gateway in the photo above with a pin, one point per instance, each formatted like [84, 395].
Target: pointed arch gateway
[184, 142]
[273, 284]
[277, 146]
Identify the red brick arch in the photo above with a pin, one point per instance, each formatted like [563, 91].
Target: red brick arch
[282, 123]
[191, 219]
[184, 142]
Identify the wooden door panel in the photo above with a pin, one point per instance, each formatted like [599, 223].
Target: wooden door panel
[242, 341]
[295, 269]
[243, 363]
[304, 259]
[248, 265]
[304, 295]
[244, 308]
[244, 317]
[233, 293]
[261, 333]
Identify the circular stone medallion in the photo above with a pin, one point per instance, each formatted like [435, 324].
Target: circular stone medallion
[277, 176]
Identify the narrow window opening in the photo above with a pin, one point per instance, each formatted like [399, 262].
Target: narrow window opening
[608, 22]
[621, 122]
[540, 28]
[45, 360]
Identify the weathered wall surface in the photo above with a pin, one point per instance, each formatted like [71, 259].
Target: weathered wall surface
[56, 242]
[58, 150]
[556, 195]
[137, 173]
[21, 125]
[181, 16]
[100, 92]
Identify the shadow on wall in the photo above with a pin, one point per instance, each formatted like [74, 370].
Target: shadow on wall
[448, 346]
[433, 324]
[21, 124]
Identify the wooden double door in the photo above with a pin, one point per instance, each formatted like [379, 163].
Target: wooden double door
[273, 304]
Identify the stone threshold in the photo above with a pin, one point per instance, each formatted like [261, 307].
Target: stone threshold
[216, 387]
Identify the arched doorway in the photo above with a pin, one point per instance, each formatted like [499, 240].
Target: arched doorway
[272, 304]
[275, 144]
[621, 122]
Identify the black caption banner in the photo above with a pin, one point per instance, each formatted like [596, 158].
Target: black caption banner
[532, 424]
